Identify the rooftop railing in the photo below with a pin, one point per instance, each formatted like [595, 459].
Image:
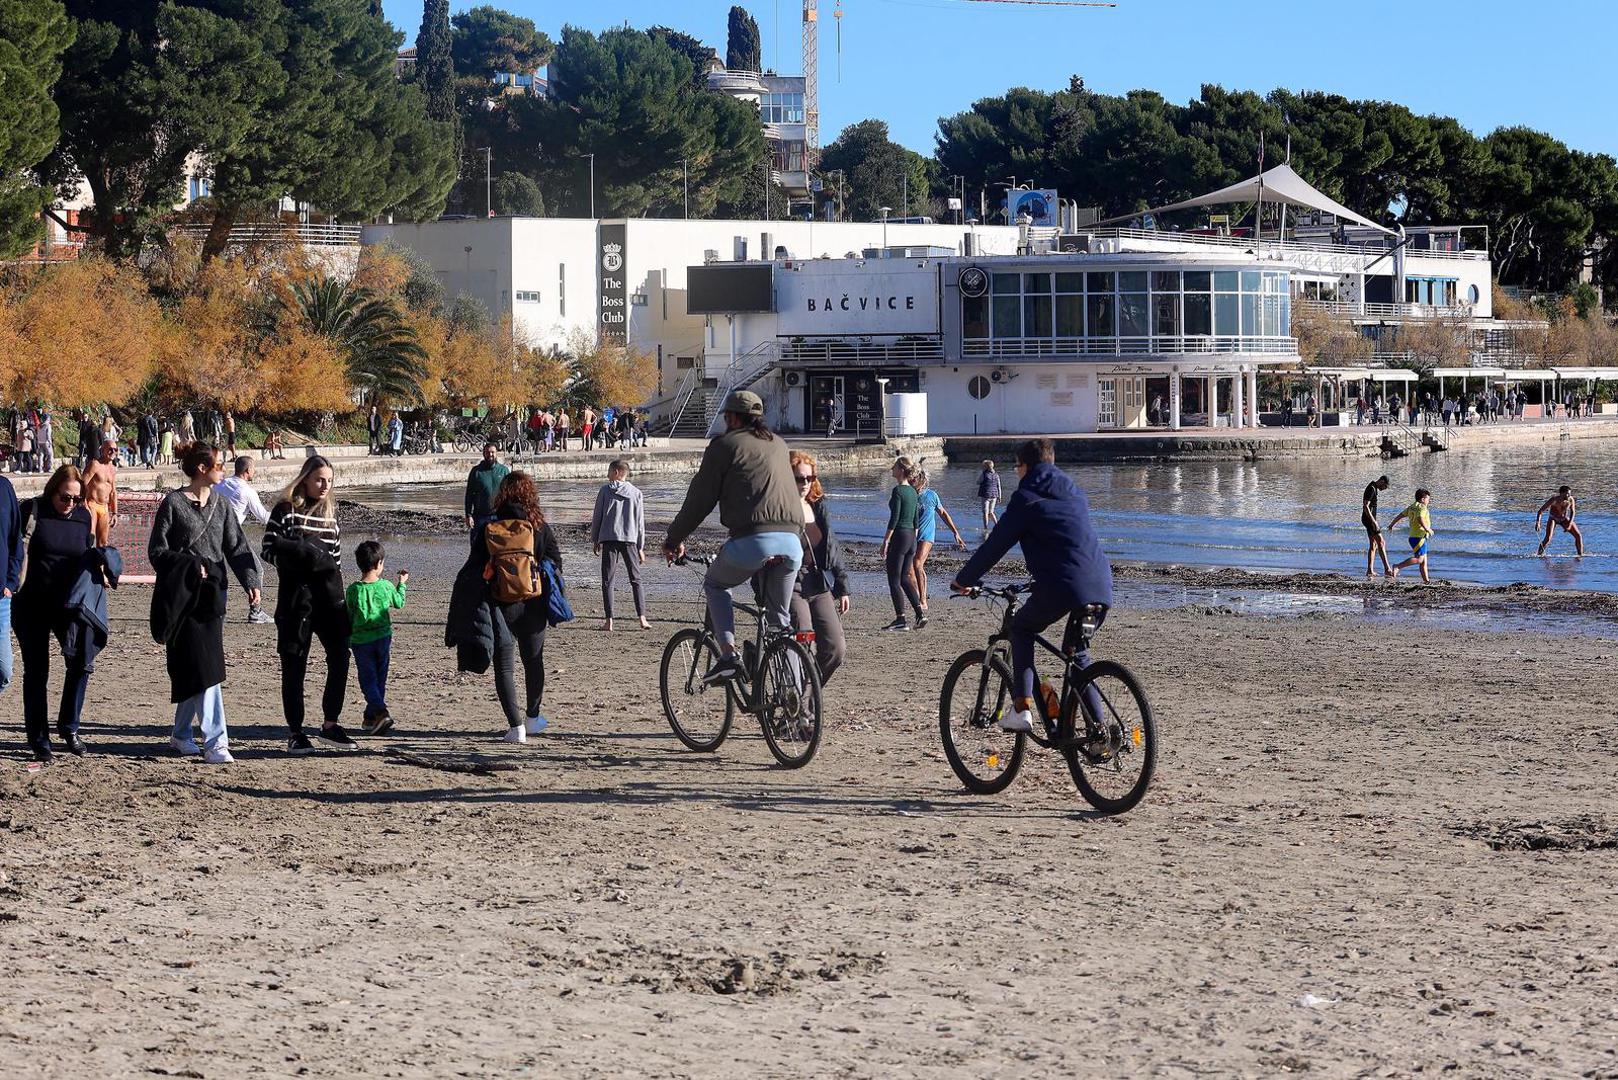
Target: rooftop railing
[1246, 243]
[271, 232]
[862, 353]
[1153, 345]
[1387, 311]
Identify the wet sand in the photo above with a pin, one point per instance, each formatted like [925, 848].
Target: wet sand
[1371, 850]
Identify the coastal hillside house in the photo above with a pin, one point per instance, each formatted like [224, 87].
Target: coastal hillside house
[780, 103]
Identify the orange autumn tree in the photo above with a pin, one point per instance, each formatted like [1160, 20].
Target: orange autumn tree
[604, 372]
[80, 333]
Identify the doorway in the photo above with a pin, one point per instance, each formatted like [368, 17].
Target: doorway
[827, 395]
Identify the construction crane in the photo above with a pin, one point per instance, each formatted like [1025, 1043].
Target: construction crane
[811, 60]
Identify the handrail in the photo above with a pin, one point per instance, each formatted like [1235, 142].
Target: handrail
[1247, 242]
[684, 392]
[1380, 310]
[739, 373]
[1156, 345]
[282, 232]
[862, 352]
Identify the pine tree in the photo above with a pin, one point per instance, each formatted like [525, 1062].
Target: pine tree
[435, 65]
[744, 51]
[33, 34]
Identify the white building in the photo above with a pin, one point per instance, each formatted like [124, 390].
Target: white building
[780, 103]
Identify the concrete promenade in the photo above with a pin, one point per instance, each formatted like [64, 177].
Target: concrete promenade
[357, 468]
[1211, 444]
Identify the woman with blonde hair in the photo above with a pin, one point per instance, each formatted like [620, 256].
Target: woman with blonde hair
[303, 543]
[929, 508]
[820, 594]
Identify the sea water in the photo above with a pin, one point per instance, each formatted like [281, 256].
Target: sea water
[1273, 516]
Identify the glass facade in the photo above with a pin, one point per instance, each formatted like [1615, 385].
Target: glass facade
[780, 108]
[1124, 311]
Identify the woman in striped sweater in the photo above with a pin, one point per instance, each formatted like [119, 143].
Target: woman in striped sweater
[302, 542]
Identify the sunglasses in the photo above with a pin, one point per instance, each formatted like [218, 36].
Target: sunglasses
[71, 500]
[811, 478]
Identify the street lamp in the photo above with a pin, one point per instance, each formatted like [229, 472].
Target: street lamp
[488, 183]
[884, 211]
[882, 406]
[960, 214]
[685, 173]
[592, 158]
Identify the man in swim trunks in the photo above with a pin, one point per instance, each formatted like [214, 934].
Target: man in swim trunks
[1421, 531]
[1561, 508]
[1378, 543]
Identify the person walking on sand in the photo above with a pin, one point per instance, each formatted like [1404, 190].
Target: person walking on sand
[59, 554]
[1562, 508]
[929, 508]
[303, 543]
[370, 602]
[243, 498]
[899, 547]
[498, 611]
[101, 491]
[1418, 517]
[196, 543]
[1375, 538]
[820, 593]
[618, 533]
[989, 494]
[482, 484]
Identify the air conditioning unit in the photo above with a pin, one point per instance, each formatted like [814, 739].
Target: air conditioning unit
[792, 378]
[999, 375]
[710, 255]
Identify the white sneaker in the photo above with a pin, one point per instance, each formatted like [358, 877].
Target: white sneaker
[184, 747]
[1018, 720]
[516, 734]
[218, 756]
[535, 725]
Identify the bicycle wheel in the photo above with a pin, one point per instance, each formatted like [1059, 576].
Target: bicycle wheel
[788, 696]
[699, 713]
[463, 444]
[1112, 764]
[975, 696]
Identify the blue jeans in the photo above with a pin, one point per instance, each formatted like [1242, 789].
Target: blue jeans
[371, 663]
[1031, 619]
[737, 562]
[207, 711]
[5, 649]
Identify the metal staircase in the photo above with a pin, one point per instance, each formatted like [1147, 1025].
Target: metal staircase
[742, 372]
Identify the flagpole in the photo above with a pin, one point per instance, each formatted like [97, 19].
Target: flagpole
[1283, 236]
[1258, 211]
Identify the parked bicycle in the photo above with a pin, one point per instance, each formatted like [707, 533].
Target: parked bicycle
[779, 684]
[1099, 721]
[418, 438]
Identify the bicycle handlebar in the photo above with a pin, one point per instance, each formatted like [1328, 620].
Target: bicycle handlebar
[1002, 592]
[697, 560]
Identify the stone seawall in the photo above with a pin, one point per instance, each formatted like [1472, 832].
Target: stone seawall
[1269, 444]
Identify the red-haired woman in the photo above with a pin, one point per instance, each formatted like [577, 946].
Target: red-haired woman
[486, 630]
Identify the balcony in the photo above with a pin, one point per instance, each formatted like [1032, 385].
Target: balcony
[1350, 309]
[736, 82]
[273, 232]
[1121, 239]
[868, 352]
[1083, 348]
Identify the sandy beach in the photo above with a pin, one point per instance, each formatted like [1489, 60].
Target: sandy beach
[1370, 850]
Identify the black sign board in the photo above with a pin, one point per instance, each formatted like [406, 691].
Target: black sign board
[864, 405]
[612, 282]
[729, 290]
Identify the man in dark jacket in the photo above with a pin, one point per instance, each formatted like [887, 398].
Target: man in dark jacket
[11, 549]
[1049, 516]
[482, 484]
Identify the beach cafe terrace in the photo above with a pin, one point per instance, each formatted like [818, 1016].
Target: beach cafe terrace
[1333, 384]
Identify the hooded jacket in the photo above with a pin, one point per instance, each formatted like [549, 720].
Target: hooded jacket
[620, 514]
[1049, 517]
[750, 480]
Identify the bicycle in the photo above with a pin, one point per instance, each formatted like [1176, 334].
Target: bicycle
[417, 439]
[779, 684]
[1111, 760]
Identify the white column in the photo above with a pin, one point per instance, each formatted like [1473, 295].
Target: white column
[1174, 400]
[1211, 395]
[1252, 393]
[1237, 393]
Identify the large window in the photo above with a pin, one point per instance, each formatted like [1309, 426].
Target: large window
[781, 108]
[1152, 310]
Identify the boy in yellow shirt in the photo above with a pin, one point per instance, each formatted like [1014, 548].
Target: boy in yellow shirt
[1418, 516]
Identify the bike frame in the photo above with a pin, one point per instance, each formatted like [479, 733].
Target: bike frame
[1077, 637]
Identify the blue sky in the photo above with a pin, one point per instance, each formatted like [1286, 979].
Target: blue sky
[1488, 63]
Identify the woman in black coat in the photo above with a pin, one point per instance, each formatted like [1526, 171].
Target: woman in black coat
[820, 595]
[58, 553]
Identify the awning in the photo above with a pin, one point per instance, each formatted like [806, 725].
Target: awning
[1530, 375]
[1468, 373]
[1374, 374]
[1587, 373]
[1277, 185]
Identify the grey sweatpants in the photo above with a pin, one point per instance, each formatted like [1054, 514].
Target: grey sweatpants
[611, 552]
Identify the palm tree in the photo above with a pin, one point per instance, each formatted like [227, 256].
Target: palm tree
[384, 358]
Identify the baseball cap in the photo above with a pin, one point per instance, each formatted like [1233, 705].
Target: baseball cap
[744, 403]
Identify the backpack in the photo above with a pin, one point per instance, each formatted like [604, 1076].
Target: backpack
[512, 571]
[557, 610]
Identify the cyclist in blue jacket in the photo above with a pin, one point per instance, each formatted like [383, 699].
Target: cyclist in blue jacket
[1049, 516]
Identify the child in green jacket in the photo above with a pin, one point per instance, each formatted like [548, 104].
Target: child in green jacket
[370, 601]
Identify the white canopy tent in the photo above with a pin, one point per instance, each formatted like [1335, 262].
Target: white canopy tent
[1336, 377]
[1277, 185]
